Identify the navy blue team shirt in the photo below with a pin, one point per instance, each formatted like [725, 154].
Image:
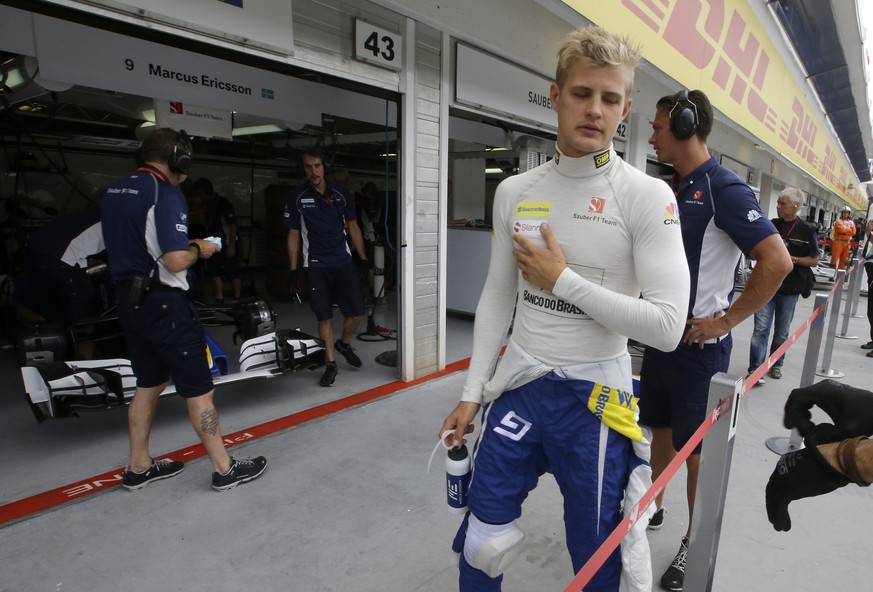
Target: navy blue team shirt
[321, 220]
[713, 198]
[144, 216]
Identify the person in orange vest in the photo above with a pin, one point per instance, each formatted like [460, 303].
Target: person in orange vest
[844, 230]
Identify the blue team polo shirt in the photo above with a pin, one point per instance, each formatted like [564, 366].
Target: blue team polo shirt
[720, 217]
[144, 216]
[321, 220]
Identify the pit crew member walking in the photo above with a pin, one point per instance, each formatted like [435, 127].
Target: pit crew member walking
[145, 229]
[323, 214]
[576, 241]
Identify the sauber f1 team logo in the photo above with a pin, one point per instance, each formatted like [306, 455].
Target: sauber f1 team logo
[671, 214]
[698, 195]
[595, 206]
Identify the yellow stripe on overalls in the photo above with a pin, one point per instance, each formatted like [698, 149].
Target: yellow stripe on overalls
[617, 409]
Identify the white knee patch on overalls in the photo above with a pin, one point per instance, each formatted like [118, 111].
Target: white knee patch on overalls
[492, 547]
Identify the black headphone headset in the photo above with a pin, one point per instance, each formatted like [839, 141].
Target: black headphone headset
[179, 160]
[683, 117]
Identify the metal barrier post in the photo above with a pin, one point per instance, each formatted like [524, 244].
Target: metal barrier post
[855, 290]
[782, 445]
[825, 369]
[715, 465]
[852, 278]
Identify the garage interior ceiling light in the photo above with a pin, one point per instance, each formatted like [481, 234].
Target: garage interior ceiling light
[12, 75]
[257, 129]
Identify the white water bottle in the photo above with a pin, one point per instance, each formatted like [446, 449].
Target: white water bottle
[457, 479]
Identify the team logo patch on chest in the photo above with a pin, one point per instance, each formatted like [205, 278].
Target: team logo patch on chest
[596, 212]
[596, 205]
[695, 199]
[533, 209]
[529, 216]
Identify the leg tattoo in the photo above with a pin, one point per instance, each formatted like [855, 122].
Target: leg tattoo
[209, 421]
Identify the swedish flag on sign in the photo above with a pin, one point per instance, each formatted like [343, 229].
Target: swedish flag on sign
[267, 93]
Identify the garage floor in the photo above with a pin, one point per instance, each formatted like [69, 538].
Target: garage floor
[347, 503]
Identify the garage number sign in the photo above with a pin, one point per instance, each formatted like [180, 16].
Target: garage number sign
[378, 46]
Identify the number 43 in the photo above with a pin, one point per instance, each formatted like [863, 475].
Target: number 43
[372, 44]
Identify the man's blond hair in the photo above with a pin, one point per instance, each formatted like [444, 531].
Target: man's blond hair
[600, 48]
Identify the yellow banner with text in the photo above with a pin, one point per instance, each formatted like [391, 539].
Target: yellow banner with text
[721, 48]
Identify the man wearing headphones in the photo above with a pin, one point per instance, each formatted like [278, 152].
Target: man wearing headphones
[145, 227]
[720, 219]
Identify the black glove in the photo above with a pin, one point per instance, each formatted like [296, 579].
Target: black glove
[294, 280]
[851, 410]
[799, 474]
[364, 266]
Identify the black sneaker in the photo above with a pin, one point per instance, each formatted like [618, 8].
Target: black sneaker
[329, 376]
[674, 577]
[348, 353]
[241, 471]
[160, 469]
[761, 381]
[657, 520]
[868, 345]
[776, 372]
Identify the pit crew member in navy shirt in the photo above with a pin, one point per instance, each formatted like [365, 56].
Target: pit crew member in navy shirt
[323, 215]
[720, 219]
[145, 227]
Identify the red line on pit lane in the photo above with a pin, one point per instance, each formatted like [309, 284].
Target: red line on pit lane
[47, 500]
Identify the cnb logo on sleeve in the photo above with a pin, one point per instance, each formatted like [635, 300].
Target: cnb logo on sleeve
[595, 206]
[671, 214]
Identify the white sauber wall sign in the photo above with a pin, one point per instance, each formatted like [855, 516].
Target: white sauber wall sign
[492, 84]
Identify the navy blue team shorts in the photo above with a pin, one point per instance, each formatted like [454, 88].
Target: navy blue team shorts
[674, 387]
[335, 285]
[165, 340]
